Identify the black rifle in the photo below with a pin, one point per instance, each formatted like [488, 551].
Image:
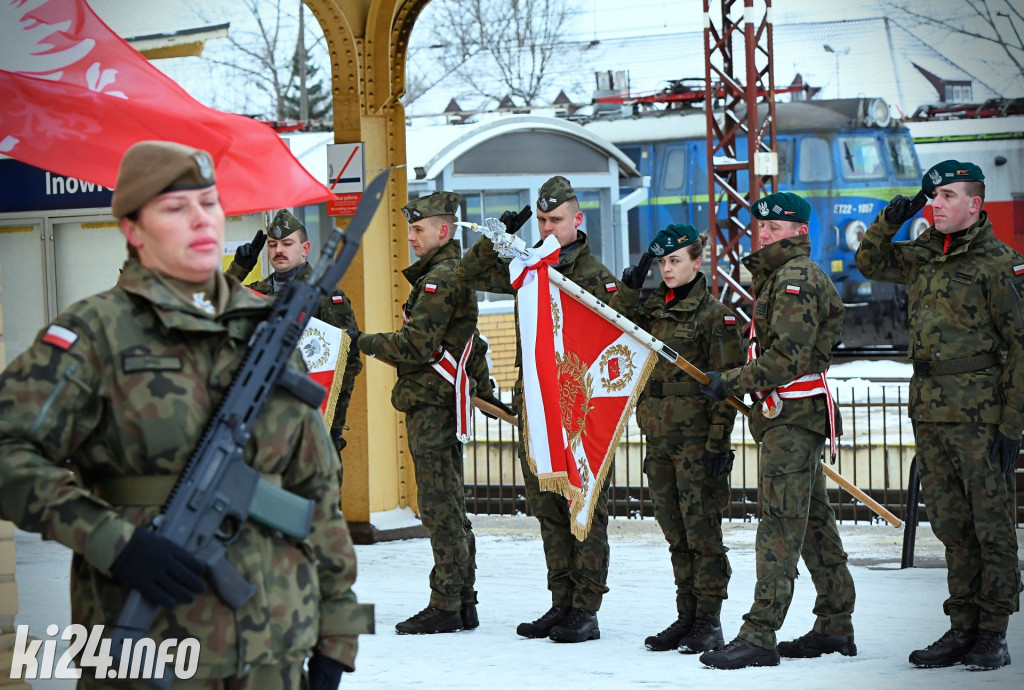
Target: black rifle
[218, 491]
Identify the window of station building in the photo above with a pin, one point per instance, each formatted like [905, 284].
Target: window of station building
[815, 161]
[784, 150]
[901, 155]
[477, 207]
[590, 204]
[861, 158]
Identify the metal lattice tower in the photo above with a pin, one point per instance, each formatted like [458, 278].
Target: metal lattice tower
[738, 105]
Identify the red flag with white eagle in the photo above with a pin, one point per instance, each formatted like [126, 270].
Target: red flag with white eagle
[76, 96]
[324, 348]
[582, 376]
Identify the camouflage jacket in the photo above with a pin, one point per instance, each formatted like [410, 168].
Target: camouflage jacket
[441, 313]
[335, 310]
[964, 302]
[482, 269]
[705, 333]
[798, 318]
[129, 397]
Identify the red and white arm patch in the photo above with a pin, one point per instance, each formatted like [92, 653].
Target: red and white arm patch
[61, 337]
[729, 320]
[337, 299]
[792, 289]
[610, 287]
[1018, 270]
[430, 287]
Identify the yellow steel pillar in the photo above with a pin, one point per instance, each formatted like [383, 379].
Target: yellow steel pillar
[368, 41]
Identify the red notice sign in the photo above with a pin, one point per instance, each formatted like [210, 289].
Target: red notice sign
[344, 204]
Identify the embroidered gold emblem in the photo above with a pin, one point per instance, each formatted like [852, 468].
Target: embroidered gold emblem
[315, 348]
[617, 368]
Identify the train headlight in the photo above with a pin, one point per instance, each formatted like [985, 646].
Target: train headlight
[854, 233]
[918, 227]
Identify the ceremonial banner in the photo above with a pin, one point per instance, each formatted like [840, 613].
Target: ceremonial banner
[582, 376]
[76, 96]
[325, 348]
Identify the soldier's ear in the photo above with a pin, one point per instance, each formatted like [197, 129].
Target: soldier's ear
[130, 231]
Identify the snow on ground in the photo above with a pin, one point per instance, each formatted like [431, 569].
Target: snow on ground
[897, 611]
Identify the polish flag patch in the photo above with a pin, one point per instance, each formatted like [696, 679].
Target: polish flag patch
[610, 287]
[337, 299]
[730, 320]
[1018, 269]
[429, 287]
[60, 337]
[792, 289]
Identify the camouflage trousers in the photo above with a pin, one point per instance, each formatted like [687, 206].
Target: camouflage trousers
[971, 510]
[288, 676]
[440, 482]
[577, 570]
[689, 506]
[796, 521]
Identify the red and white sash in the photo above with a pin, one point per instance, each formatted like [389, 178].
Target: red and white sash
[454, 372]
[806, 386]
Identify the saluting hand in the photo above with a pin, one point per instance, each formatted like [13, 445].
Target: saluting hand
[901, 209]
[248, 254]
[634, 276]
[513, 221]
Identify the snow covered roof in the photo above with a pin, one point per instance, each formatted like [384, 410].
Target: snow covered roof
[875, 57]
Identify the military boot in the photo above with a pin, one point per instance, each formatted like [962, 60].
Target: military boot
[429, 621]
[669, 637]
[542, 626]
[470, 621]
[705, 635]
[989, 652]
[949, 649]
[814, 644]
[740, 654]
[580, 626]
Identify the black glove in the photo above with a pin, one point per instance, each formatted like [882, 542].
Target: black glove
[493, 399]
[634, 276]
[162, 571]
[339, 441]
[716, 463]
[248, 254]
[353, 334]
[324, 673]
[901, 209]
[714, 388]
[514, 221]
[1005, 452]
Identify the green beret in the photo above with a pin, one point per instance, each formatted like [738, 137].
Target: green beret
[554, 193]
[950, 171]
[782, 206]
[672, 238]
[150, 168]
[283, 225]
[436, 204]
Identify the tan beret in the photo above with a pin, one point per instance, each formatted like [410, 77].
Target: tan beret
[150, 168]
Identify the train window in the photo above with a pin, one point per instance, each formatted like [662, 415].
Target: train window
[901, 155]
[815, 163]
[675, 170]
[590, 204]
[861, 158]
[784, 148]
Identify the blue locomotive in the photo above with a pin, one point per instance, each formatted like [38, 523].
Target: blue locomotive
[847, 157]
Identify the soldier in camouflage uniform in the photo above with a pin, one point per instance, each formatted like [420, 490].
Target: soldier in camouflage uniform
[966, 399]
[440, 313]
[798, 319]
[577, 571]
[689, 459]
[100, 415]
[288, 247]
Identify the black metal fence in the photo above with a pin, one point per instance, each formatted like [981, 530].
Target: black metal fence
[875, 452]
